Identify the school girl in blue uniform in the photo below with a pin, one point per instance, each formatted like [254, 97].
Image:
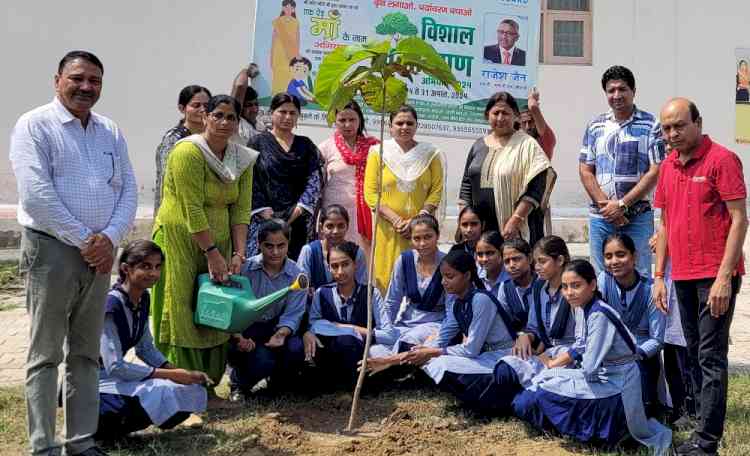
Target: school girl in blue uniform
[270, 348]
[550, 332]
[600, 401]
[470, 228]
[473, 337]
[623, 288]
[415, 301]
[338, 320]
[334, 223]
[489, 255]
[514, 293]
[133, 396]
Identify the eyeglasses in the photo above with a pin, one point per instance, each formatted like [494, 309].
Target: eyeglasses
[219, 116]
[504, 33]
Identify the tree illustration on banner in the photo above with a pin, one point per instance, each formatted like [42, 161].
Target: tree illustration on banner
[376, 72]
[397, 25]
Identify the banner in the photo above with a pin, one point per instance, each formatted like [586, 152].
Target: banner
[742, 96]
[490, 45]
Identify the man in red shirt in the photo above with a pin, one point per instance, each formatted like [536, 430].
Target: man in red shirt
[534, 124]
[701, 192]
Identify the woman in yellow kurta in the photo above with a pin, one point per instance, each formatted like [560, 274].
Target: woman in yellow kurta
[284, 46]
[201, 224]
[412, 184]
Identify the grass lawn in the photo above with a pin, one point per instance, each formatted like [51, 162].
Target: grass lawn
[410, 421]
[11, 285]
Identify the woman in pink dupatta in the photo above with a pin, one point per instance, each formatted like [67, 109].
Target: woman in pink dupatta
[345, 155]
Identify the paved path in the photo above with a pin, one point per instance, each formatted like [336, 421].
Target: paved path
[14, 330]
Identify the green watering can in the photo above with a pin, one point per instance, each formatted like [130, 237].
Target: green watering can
[233, 307]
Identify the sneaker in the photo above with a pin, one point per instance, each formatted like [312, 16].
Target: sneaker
[93, 451]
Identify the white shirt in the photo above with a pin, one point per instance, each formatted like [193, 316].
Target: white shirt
[72, 182]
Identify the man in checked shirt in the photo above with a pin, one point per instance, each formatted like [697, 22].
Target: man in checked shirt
[78, 199]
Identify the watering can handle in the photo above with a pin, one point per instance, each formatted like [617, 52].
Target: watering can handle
[237, 281]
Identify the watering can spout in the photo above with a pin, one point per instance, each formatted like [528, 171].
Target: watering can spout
[233, 307]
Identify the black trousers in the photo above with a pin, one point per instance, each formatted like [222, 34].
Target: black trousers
[650, 370]
[707, 346]
[678, 379]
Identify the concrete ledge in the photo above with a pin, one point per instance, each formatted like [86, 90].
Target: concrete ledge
[10, 232]
[570, 229]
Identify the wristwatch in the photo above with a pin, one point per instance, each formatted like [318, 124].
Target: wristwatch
[622, 204]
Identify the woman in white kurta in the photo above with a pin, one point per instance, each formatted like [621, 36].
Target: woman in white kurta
[601, 400]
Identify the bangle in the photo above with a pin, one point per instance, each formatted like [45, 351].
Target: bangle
[658, 274]
[238, 254]
[210, 249]
[518, 217]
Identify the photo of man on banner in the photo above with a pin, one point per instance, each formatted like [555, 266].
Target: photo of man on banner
[507, 50]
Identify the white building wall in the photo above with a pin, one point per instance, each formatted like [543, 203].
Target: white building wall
[151, 50]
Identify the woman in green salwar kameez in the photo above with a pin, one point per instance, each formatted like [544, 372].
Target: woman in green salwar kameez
[201, 227]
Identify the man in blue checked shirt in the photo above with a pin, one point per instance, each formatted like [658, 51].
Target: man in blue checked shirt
[619, 167]
[78, 200]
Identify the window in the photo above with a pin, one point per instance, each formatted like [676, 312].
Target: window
[565, 37]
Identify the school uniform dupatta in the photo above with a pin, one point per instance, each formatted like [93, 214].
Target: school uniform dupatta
[557, 331]
[129, 334]
[632, 315]
[318, 276]
[425, 302]
[518, 308]
[357, 315]
[358, 159]
[464, 313]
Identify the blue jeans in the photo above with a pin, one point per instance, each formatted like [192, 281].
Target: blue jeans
[641, 228]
